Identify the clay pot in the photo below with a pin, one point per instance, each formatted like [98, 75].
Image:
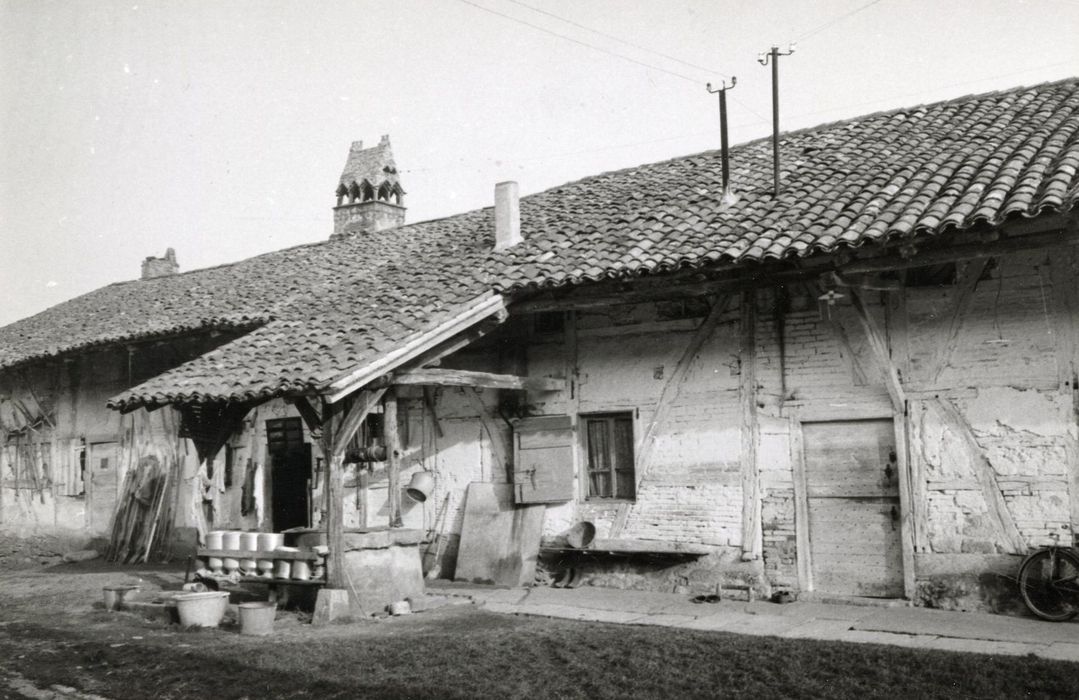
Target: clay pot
[249, 541]
[215, 540]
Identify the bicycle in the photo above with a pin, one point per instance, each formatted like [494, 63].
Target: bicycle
[1049, 582]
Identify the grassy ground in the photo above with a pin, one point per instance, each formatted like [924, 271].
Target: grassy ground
[463, 652]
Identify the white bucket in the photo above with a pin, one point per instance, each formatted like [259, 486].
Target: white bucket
[249, 541]
[301, 570]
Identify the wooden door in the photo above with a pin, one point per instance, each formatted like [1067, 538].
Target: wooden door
[102, 466]
[852, 493]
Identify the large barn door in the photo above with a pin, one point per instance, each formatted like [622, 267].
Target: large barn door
[852, 492]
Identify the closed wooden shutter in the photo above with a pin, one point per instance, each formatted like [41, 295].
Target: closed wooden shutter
[543, 459]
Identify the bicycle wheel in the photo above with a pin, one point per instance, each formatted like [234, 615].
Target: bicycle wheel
[1049, 584]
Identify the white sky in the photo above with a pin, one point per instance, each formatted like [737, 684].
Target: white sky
[220, 128]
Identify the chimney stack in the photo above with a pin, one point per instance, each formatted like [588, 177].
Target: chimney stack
[160, 267]
[507, 215]
[369, 194]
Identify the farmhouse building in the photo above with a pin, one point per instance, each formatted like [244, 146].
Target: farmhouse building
[866, 385]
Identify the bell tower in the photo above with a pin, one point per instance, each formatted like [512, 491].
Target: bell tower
[369, 194]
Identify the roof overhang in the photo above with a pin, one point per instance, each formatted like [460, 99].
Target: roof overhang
[481, 308]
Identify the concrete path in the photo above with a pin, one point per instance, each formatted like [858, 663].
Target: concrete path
[900, 626]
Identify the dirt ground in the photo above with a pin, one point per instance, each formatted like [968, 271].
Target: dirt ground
[57, 642]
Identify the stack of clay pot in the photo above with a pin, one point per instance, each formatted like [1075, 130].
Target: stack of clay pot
[268, 542]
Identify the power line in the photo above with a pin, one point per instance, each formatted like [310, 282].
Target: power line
[580, 43]
[618, 39]
[822, 27]
[553, 33]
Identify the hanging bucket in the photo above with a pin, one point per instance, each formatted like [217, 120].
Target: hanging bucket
[581, 535]
[257, 618]
[421, 486]
[202, 609]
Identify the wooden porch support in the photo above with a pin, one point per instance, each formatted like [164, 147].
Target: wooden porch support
[750, 428]
[479, 380]
[878, 343]
[335, 429]
[392, 439]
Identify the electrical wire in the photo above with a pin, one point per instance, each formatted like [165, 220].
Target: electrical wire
[615, 54]
[820, 28]
[612, 37]
[580, 43]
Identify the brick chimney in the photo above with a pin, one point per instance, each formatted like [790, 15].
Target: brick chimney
[369, 194]
[160, 267]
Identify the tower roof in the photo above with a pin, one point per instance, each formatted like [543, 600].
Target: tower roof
[375, 165]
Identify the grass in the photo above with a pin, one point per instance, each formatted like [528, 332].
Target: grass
[467, 653]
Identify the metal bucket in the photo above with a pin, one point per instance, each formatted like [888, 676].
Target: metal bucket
[202, 609]
[581, 535]
[421, 486]
[257, 618]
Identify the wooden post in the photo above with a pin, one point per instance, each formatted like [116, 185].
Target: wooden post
[751, 506]
[393, 454]
[333, 515]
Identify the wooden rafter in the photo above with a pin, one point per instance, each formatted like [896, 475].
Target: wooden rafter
[362, 406]
[479, 380]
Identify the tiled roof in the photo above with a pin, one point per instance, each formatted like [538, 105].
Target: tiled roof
[328, 307]
[920, 170]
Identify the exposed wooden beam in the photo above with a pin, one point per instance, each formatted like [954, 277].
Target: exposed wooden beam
[363, 405]
[964, 298]
[750, 427]
[458, 342]
[333, 515]
[741, 276]
[391, 437]
[479, 380]
[646, 443]
[879, 344]
[493, 433]
[972, 251]
[311, 417]
[983, 471]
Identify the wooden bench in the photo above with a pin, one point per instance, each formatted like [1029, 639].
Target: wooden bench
[276, 595]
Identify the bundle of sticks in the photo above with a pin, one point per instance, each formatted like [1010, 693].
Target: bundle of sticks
[142, 525]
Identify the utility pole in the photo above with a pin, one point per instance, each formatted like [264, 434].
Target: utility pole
[764, 58]
[725, 151]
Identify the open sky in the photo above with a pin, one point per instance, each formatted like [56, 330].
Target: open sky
[220, 128]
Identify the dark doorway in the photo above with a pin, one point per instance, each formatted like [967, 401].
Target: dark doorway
[290, 459]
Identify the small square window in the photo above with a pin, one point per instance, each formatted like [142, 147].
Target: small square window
[609, 444]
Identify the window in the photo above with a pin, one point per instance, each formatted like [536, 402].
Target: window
[609, 442]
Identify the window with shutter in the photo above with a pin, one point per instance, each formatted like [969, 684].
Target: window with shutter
[609, 443]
